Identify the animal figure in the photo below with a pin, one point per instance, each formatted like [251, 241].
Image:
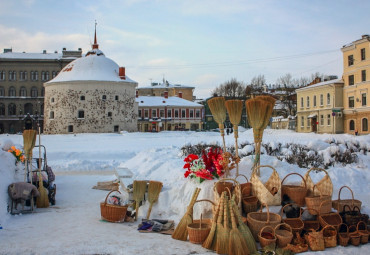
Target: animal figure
[19, 192]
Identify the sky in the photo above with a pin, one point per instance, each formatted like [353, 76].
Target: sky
[201, 43]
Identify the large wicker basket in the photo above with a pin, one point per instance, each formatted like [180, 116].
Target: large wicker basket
[297, 193]
[296, 224]
[331, 218]
[113, 213]
[340, 203]
[224, 185]
[315, 202]
[325, 185]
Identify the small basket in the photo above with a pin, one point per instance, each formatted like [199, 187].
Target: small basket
[250, 204]
[222, 186]
[283, 236]
[310, 224]
[343, 236]
[245, 187]
[340, 203]
[354, 216]
[315, 240]
[198, 232]
[315, 202]
[354, 236]
[330, 236]
[296, 193]
[232, 187]
[206, 220]
[296, 224]
[112, 213]
[362, 230]
[266, 237]
[331, 218]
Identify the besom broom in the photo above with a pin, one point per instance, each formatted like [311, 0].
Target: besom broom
[237, 244]
[222, 244]
[43, 200]
[210, 242]
[139, 188]
[154, 189]
[218, 110]
[29, 140]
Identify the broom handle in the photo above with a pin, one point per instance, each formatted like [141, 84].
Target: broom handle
[236, 148]
[149, 211]
[222, 131]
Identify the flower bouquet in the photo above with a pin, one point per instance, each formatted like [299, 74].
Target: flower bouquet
[18, 154]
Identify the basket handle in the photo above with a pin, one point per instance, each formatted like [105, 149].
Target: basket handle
[285, 225]
[105, 202]
[243, 176]
[268, 211]
[206, 200]
[305, 184]
[227, 179]
[317, 169]
[361, 223]
[323, 202]
[351, 228]
[282, 210]
[344, 208]
[329, 226]
[340, 190]
[358, 209]
[268, 226]
[313, 190]
[257, 167]
[344, 224]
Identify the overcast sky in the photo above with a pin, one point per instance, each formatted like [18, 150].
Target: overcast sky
[201, 43]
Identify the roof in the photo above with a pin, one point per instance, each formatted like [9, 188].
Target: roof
[23, 55]
[93, 67]
[321, 84]
[161, 101]
[163, 86]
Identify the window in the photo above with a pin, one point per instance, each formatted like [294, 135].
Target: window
[2, 76]
[116, 128]
[34, 75]
[12, 109]
[161, 113]
[351, 125]
[140, 113]
[329, 119]
[42, 109]
[302, 102]
[12, 92]
[53, 74]
[308, 122]
[81, 114]
[308, 101]
[82, 98]
[197, 114]
[2, 109]
[363, 99]
[70, 128]
[363, 55]
[52, 100]
[23, 92]
[328, 98]
[51, 115]
[104, 97]
[364, 125]
[109, 114]
[154, 113]
[2, 92]
[321, 120]
[34, 92]
[351, 102]
[302, 121]
[350, 60]
[351, 79]
[23, 76]
[183, 113]
[191, 113]
[363, 75]
[42, 91]
[28, 108]
[176, 113]
[12, 75]
[169, 113]
[321, 99]
[314, 101]
[116, 98]
[146, 113]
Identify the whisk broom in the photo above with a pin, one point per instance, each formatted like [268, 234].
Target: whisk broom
[237, 244]
[154, 189]
[210, 242]
[43, 200]
[235, 109]
[181, 231]
[29, 140]
[218, 110]
[139, 188]
[222, 233]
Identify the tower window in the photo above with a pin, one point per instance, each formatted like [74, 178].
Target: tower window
[82, 98]
[81, 114]
[104, 97]
[70, 128]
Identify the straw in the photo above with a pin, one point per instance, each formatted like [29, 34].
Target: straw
[210, 242]
[181, 231]
[138, 194]
[29, 140]
[154, 189]
[237, 244]
[218, 110]
[222, 244]
[43, 200]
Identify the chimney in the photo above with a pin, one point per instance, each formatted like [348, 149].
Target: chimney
[180, 94]
[122, 73]
[166, 94]
[137, 93]
[44, 52]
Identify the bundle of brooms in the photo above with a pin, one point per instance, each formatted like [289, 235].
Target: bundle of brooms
[259, 110]
[218, 110]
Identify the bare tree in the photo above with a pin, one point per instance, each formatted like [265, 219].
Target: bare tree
[258, 81]
[231, 89]
[285, 80]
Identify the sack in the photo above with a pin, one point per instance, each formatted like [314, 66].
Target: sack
[325, 185]
[267, 193]
[315, 240]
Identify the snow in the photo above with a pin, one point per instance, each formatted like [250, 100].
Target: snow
[146, 101]
[23, 55]
[321, 84]
[73, 225]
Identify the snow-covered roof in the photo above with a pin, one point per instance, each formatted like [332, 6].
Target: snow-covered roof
[161, 101]
[93, 67]
[321, 84]
[23, 55]
[165, 85]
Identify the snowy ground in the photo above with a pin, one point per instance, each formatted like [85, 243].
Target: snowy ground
[73, 225]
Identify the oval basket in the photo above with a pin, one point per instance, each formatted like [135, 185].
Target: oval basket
[266, 237]
[112, 213]
[198, 232]
[332, 218]
[250, 204]
[354, 236]
[234, 191]
[362, 230]
[340, 203]
[296, 193]
[315, 202]
[330, 236]
[283, 236]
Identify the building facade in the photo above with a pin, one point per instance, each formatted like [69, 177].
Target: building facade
[90, 95]
[173, 90]
[21, 85]
[320, 107]
[356, 76]
[168, 113]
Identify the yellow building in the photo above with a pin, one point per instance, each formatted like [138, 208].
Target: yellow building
[319, 107]
[356, 72]
[173, 90]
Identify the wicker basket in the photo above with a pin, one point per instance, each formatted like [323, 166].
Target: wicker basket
[354, 236]
[343, 235]
[315, 240]
[325, 184]
[316, 202]
[354, 216]
[266, 237]
[257, 220]
[311, 224]
[362, 230]
[283, 236]
[198, 232]
[250, 204]
[296, 224]
[246, 188]
[332, 218]
[296, 193]
[214, 208]
[224, 185]
[269, 192]
[340, 203]
[112, 213]
[330, 236]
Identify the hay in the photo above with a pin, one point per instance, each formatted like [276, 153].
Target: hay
[154, 189]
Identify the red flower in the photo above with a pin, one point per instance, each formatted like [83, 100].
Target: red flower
[191, 157]
[186, 174]
[204, 174]
[187, 165]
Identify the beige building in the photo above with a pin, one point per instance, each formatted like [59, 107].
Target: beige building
[320, 106]
[356, 76]
[173, 90]
[21, 84]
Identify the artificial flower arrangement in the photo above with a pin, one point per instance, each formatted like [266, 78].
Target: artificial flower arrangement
[211, 165]
[18, 154]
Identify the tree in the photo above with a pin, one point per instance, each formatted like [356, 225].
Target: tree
[258, 81]
[285, 80]
[230, 89]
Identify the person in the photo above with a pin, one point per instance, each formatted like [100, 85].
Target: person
[356, 132]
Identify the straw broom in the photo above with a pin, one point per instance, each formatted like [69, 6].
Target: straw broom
[153, 193]
[235, 108]
[43, 200]
[138, 194]
[29, 140]
[237, 244]
[181, 231]
[222, 234]
[210, 242]
[218, 110]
